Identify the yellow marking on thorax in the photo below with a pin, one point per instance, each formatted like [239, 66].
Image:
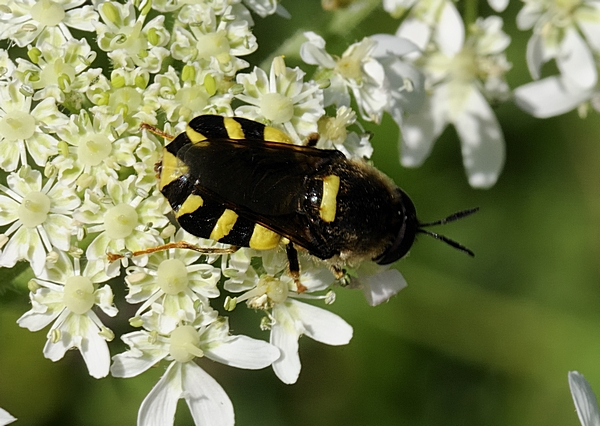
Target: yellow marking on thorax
[223, 225]
[274, 135]
[190, 205]
[328, 207]
[171, 169]
[194, 135]
[234, 129]
[263, 238]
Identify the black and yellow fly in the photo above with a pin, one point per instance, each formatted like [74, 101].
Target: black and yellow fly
[239, 182]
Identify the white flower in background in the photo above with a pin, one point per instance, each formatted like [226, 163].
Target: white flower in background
[289, 318]
[397, 8]
[404, 82]
[39, 217]
[378, 282]
[356, 70]
[460, 79]
[59, 71]
[206, 399]
[333, 134]
[24, 130]
[585, 400]
[569, 33]
[557, 28]
[282, 99]
[129, 41]
[96, 150]
[125, 219]
[436, 21]
[172, 287]
[213, 38]
[556, 95]
[5, 417]
[26, 20]
[64, 295]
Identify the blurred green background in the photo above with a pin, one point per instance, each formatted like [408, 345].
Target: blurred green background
[470, 342]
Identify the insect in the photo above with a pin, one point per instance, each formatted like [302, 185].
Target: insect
[239, 182]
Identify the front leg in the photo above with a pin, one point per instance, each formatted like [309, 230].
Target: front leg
[294, 266]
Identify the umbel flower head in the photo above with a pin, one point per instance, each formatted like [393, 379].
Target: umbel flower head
[39, 218]
[65, 295]
[207, 401]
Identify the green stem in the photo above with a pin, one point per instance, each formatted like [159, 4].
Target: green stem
[470, 12]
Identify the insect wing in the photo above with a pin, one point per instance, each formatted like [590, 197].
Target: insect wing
[262, 182]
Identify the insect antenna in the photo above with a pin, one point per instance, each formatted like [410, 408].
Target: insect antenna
[451, 218]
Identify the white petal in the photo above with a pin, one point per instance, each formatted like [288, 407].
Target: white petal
[9, 157]
[5, 417]
[56, 350]
[450, 31]
[104, 299]
[576, 62]
[59, 228]
[411, 101]
[528, 16]
[322, 325]
[24, 244]
[94, 351]
[206, 399]
[35, 319]
[535, 56]
[142, 355]
[498, 5]
[548, 97]
[284, 336]
[419, 131]
[313, 51]
[82, 18]
[482, 142]
[159, 406]
[23, 185]
[389, 45]
[40, 146]
[416, 31]
[380, 287]
[585, 400]
[590, 25]
[64, 199]
[244, 352]
[98, 247]
[8, 210]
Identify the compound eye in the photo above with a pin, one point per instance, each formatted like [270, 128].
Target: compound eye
[401, 245]
[407, 231]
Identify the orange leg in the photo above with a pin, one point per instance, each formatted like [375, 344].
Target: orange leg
[180, 244]
[156, 131]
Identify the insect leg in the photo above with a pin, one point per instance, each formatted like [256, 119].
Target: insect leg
[312, 139]
[180, 244]
[156, 131]
[294, 266]
[338, 272]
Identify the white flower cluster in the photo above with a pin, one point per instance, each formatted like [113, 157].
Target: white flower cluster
[569, 33]
[80, 183]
